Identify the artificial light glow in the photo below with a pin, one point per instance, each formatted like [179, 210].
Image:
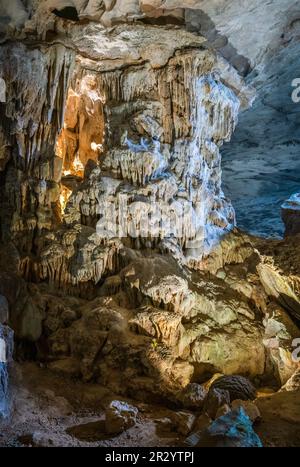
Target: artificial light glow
[78, 166]
[96, 147]
[64, 197]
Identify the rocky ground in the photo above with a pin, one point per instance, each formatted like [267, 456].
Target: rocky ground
[49, 410]
[97, 354]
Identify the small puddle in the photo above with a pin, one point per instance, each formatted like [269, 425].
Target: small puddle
[91, 432]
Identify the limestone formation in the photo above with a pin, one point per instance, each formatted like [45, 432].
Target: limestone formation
[119, 417]
[122, 270]
[293, 383]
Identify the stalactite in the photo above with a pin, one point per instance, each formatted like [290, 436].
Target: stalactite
[158, 141]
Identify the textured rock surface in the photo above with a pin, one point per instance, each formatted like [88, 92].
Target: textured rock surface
[267, 153]
[250, 409]
[282, 413]
[4, 310]
[183, 422]
[160, 145]
[238, 387]
[216, 400]
[119, 416]
[293, 384]
[232, 430]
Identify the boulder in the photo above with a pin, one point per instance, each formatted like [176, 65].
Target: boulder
[293, 384]
[119, 417]
[280, 288]
[216, 398]
[223, 411]
[250, 409]
[164, 425]
[280, 333]
[31, 324]
[193, 396]
[202, 422]
[290, 212]
[238, 387]
[232, 430]
[183, 422]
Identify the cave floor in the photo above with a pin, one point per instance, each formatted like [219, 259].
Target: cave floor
[46, 406]
[49, 410]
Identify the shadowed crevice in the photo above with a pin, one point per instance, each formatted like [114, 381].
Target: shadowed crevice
[68, 12]
[197, 21]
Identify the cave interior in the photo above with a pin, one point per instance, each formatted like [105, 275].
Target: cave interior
[149, 223]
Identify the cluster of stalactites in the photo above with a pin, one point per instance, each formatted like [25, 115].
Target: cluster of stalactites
[37, 84]
[192, 113]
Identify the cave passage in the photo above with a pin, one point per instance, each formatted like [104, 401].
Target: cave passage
[258, 181]
[68, 12]
[261, 166]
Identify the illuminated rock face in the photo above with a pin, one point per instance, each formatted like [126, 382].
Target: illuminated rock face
[81, 138]
[161, 156]
[147, 136]
[31, 117]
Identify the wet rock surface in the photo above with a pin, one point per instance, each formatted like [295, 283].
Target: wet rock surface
[231, 430]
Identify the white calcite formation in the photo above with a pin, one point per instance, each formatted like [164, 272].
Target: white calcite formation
[164, 163]
[156, 127]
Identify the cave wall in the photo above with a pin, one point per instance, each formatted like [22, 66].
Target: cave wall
[261, 166]
[36, 86]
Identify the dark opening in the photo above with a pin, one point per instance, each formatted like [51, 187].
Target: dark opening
[69, 12]
[163, 21]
